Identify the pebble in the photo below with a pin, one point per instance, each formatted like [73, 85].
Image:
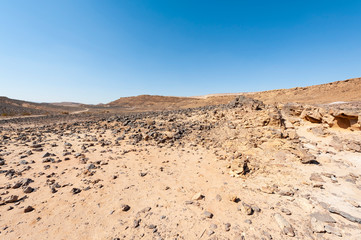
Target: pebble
[208, 214]
[227, 227]
[218, 198]
[286, 228]
[213, 226]
[75, 190]
[136, 223]
[125, 207]
[28, 209]
[210, 232]
[198, 196]
[286, 211]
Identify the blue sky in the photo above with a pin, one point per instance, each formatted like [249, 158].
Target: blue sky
[97, 51]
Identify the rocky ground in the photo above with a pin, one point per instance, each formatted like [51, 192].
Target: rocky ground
[244, 170]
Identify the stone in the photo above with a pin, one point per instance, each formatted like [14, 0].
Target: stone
[136, 223]
[317, 226]
[286, 211]
[285, 226]
[210, 232]
[268, 189]
[75, 190]
[213, 226]
[247, 209]
[208, 214]
[90, 166]
[323, 217]
[227, 227]
[333, 230]
[345, 215]
[28, 209]
[152, 226]
[218, 198]
[198, 196]
[125, 207]
[11, 199]
[28, 190]
[316, 177]
[143, 174]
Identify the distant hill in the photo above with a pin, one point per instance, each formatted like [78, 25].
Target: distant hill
[155, 102]
[13, 107]
[67, 104]
[340, 91]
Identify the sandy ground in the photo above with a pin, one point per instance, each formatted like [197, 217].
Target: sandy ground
[183, 189]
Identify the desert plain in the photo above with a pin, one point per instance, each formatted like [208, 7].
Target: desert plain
[281, 164]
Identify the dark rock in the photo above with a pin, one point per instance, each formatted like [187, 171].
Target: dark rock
[28, 209]
[125, 207]
[75, 190]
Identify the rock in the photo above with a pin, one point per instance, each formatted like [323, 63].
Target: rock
[268, 189]
[323, 217]
[23, 162]
[355, 204]
[286, 211]
[213, 226]
[316, 177]
[208, 214]
[90, 166]
[152, 226]
[248, 221]
[28, 209]
[47, 154]
[227, 227]
[316, 226]
[234, 198]
[286, 228]
[312, 115]
[125, 207]
[198, 196]
[218, 198]
[28, 190]
[11, 199]
[210, 232]
[333, 230]
[345, 215]
[247, 209]
[308, 158]
[75, 190]
[136, 223]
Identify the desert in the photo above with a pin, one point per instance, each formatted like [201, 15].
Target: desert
[245, 169]
[180, 120]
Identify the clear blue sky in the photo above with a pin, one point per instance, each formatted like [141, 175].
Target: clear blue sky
[97, 51]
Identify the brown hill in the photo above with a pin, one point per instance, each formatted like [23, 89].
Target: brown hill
[340, 91]
[155, 102]
[13, 107]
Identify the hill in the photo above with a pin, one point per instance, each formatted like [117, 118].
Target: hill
[341, 91]
[155, 102]
[13, 107]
